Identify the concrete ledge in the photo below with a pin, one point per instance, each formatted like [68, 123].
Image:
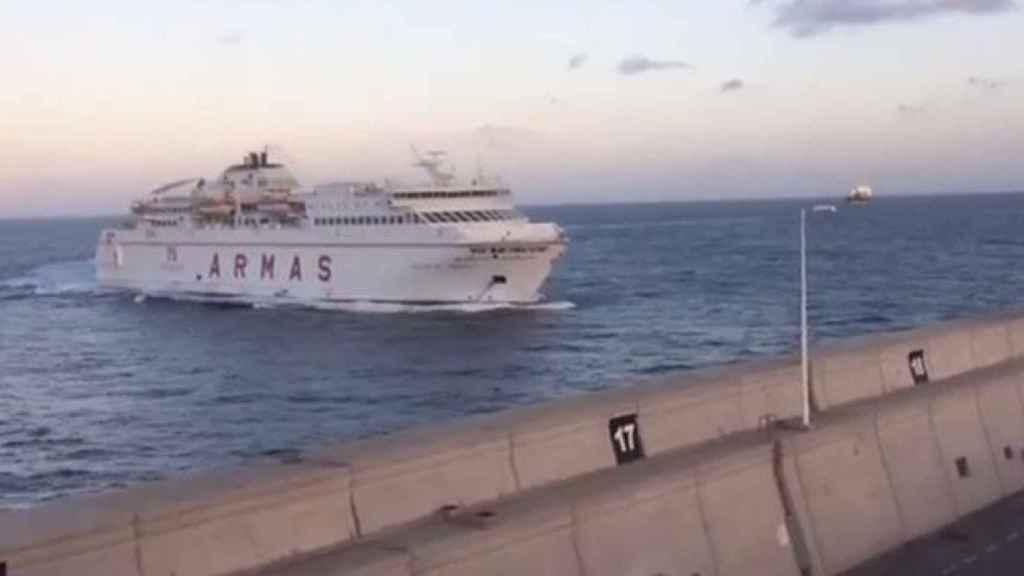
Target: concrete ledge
[211, 524]
[990, 343]
[643, 518]
[744, 515]
[57, 537]
[848, 371]
[893, 460]
[915, 466]
[1002, 414]
[961, 436]
[401, 477]
[874, 365]
[216, 524]
[1015, 328]
[677, 412]
[366, 559]
[948, 350]
[563, 439]
[769, 390]
[843, 483]
[524, 536]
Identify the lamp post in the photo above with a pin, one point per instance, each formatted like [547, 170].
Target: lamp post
[804, 358]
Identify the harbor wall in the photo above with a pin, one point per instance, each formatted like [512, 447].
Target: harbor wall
[881, 467]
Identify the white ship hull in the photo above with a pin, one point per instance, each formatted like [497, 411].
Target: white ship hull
[490, 267]
[254, 234]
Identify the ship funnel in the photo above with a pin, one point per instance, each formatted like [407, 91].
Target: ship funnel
[263, 158]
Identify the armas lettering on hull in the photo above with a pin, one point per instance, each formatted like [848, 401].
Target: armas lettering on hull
[267, 261]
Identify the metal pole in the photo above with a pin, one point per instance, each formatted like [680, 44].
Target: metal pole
[805, 365]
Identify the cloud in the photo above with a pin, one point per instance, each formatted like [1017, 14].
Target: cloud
[640, 64]
[983, 83]
[233, 38]
[809, 17]
[577, 60]
[733, 85]
[911, 109]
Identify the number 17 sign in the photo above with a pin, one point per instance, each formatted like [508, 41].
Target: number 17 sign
[625, 438]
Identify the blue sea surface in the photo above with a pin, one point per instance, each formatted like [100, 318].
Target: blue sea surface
[99, 390]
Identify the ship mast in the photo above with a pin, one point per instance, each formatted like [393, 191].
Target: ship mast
[431, 162]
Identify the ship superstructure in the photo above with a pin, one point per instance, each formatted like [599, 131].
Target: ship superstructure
[255, 232]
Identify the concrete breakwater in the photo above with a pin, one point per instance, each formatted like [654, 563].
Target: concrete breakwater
[685, 475]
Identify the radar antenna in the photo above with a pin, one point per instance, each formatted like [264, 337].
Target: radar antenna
[431, 161]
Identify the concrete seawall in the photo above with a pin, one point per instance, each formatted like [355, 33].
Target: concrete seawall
[682, 475]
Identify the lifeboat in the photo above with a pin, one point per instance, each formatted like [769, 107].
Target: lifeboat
[217, 209]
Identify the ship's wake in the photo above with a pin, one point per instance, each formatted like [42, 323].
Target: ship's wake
[71, 278]
[364, 306]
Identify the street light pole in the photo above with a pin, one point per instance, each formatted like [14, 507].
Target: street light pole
[805, 364]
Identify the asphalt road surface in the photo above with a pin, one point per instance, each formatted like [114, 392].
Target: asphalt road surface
[989, 542]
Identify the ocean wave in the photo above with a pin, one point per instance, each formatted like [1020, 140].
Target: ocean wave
[462, 308]
[57, 279]
[355, 306]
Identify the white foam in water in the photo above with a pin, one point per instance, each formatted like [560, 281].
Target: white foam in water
[365, 307]
[76, 277]
[462, 308]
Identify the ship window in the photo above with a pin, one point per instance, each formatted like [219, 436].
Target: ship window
[401, 220]
[449, 217]
[462, 216]
[441, 217]
[474, 216]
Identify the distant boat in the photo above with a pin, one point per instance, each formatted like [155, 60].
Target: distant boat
[860, 195]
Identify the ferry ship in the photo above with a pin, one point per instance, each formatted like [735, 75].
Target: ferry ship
[255, 233]
[859, 195]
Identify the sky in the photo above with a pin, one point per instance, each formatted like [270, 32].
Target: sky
[584, 101]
